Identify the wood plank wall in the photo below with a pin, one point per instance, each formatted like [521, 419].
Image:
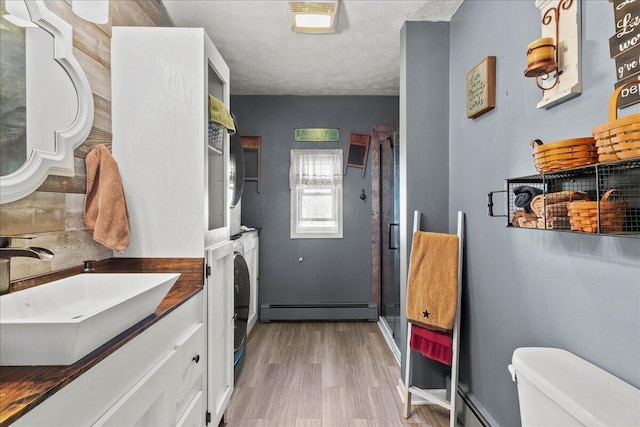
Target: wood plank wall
[54, 214]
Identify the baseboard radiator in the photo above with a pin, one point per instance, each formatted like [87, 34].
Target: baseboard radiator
[329, 311]
[477, 414]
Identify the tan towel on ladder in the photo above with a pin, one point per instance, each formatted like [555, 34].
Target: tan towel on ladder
[105, 208]
[432, 289]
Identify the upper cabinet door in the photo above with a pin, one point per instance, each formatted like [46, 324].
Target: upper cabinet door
[176, 188]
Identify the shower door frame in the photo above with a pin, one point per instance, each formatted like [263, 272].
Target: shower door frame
[379, 135]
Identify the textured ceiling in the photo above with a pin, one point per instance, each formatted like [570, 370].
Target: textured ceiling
[266, 58]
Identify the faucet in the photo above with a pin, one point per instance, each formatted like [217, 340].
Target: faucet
[7, 252]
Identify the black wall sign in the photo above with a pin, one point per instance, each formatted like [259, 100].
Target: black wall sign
[622, 8]
[621, 43]
[627, 64]
[624, 47]
[631, 94]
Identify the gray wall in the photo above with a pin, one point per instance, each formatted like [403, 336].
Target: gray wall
[424, 153]
[333, 270]
[527, 287]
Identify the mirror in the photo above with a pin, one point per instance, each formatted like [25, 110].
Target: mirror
[46, 106]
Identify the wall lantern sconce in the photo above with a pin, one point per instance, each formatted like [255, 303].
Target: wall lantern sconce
[554, 60]
[542, 60]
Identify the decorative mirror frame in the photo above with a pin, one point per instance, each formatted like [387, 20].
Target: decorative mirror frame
[40, 164]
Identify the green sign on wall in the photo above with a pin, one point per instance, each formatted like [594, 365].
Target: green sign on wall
[316, 134]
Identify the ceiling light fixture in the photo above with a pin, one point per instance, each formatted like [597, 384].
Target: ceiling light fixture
[314, 16]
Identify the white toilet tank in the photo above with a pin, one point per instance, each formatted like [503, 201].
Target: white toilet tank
[557, 388]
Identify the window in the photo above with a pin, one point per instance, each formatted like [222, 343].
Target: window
[315, 180]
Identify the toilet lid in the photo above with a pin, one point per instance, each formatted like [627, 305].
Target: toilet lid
[590, 394]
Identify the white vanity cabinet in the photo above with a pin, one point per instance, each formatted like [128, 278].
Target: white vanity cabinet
[251, 246]
[156, 379]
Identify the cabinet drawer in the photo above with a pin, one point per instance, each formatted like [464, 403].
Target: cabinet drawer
[148, 402]
[194, 414]
[191, 361]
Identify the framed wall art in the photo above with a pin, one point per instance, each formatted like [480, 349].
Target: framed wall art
[481, 88]
[358, 152]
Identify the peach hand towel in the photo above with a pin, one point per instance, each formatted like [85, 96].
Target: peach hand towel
[554, 223]
[105, 208]
[433, 280]
[521, 217]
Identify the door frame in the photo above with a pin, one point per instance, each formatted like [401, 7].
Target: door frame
[379, 134]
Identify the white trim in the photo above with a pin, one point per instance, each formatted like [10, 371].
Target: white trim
[337, 195]
[569, 48]
[388, 337]
[316, 169]
[40, 164]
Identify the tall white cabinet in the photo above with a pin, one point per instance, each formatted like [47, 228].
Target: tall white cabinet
[175, 184]
[176, 187]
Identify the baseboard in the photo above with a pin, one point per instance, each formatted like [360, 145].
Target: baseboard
[253, 318]
[329, 311]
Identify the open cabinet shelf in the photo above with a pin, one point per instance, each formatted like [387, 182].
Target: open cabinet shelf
[594, 180]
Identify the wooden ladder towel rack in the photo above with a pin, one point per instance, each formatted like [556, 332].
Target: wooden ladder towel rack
[438, 396]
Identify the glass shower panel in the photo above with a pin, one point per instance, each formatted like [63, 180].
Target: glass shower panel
[390, 239]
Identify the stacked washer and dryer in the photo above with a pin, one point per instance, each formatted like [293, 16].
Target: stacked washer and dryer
[241, 280]
[242, 289]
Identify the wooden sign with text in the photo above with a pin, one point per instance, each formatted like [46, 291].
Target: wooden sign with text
[481, 87]
[316, 135]
[625, 13]
[627, 64]
[631, 94]
[622, 41]
[624, 47]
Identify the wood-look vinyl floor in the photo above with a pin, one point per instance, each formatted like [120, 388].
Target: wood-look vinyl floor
[322, 374]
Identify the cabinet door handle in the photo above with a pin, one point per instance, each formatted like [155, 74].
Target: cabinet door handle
[196, 358]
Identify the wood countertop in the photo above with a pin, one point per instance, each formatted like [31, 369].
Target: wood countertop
[22, 388]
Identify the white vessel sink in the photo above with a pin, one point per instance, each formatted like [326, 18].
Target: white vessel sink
[60, 322]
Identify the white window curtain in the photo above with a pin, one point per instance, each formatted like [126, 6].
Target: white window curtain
[315, 179]
[315, 167]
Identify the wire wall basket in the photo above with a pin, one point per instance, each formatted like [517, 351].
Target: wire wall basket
[603, 198]
[215, 136]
